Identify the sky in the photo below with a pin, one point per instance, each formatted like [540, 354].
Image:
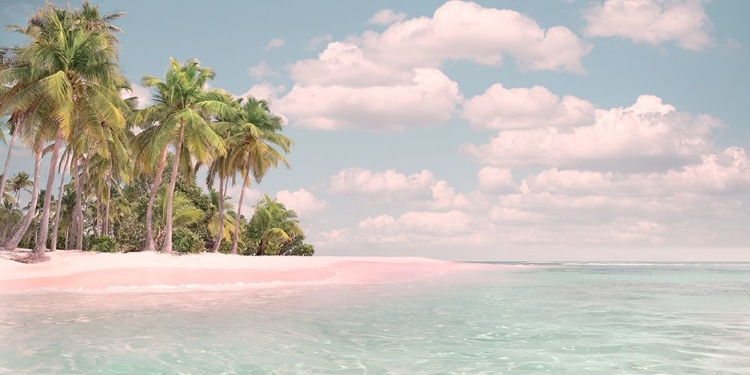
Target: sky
[488, 130]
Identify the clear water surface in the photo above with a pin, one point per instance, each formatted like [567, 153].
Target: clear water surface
[686, 318]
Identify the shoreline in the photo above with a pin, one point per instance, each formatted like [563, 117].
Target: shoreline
[79, 270]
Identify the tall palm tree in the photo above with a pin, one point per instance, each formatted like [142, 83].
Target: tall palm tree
[75, 71]
[178, 117]
[254, 134]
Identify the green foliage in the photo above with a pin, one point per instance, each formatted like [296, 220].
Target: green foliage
[102, 244]
[186, 242]
[129, 234]
[296, 247]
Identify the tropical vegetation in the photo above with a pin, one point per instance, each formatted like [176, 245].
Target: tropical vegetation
[123, 177]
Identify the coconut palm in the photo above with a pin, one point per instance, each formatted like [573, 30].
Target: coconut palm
[11, 129]
[21, 181]
[252, 141]
[178, 117]
[272, 225]
[75, 72]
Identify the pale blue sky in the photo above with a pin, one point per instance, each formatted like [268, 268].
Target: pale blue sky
[554, 218]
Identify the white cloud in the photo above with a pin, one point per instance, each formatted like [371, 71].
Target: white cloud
[301, 201]
[523, 108]
[344, 64]
[461, 30]
[383, 81]
[364, 181]
[418, 190]
[378, 108]
[386, 17]
[274, 43]
[652, 21]
[265, 91]
[142, 94]
[495, 179]
[725, 173]
[648, 134]
[261, 70]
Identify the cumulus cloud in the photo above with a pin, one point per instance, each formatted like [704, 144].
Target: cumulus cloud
[461, 30]
[391, 81]
[648, 134]
[301, 201]
[379, 107]
[522, 108]
[364, 181]
[419, 190]
[495, 179]
[265, 91]
[386, 17]
[261, 70]
[274, 43]
[410, 229]
[652, 21]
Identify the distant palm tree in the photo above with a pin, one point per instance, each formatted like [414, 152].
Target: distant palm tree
[273, 224]
[254, 134]
[21, 181]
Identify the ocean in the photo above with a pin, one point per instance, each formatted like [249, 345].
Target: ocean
[565, 317]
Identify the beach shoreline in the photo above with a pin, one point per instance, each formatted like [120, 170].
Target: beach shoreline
[79, 270]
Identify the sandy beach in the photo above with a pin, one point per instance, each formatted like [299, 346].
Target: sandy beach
[74, 270]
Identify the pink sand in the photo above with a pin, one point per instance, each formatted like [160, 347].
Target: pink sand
[92, 271]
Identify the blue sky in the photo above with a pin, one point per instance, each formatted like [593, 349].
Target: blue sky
[491, 130]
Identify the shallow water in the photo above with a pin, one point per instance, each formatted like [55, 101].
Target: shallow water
[562, 317]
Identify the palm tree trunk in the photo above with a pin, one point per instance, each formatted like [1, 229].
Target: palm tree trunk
[220, 206]
[7, 164]
[78, 223]
[170, 193]
[41, 239]
[150, 245]
[56, 226]
[105, 223]
[13, 242]
[236, 234]
[79, 203]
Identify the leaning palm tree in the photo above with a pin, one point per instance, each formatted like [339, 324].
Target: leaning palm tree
[178, 117]
[252, 141]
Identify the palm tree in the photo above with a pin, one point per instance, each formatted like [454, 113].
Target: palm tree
[273, 224]
[21, 181]
[253, 135]
[178, 116]
[11, 129]
[75, 72]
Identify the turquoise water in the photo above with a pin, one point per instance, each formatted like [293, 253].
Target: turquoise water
[566, 317]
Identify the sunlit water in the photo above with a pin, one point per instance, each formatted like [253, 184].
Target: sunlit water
[574, 317]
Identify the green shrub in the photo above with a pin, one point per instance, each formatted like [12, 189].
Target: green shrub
[102, 244]
[185, 241]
